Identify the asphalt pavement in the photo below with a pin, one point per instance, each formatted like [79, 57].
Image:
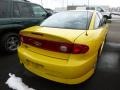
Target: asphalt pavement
[106, 77]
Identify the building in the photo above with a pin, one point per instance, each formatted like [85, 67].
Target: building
[74, 7]
[60, 9]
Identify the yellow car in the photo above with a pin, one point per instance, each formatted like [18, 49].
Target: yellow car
[65, 47]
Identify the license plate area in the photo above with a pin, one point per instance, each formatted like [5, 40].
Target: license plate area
[34, 65]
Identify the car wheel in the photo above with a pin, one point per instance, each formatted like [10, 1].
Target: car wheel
[9, 42]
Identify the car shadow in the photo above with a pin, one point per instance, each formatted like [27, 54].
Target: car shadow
[3, 54]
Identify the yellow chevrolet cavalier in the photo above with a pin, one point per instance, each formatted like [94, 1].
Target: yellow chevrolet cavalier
[65, 47]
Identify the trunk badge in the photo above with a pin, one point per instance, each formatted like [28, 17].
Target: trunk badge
[36, 43]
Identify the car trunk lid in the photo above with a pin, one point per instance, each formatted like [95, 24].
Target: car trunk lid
[51, 42]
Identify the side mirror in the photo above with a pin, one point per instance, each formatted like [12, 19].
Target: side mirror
[105, 20]
[107, 17]
[49, 14]
[110, 16]
[101, 10]
[108, 21]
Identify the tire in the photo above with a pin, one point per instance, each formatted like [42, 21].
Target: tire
[9, 42]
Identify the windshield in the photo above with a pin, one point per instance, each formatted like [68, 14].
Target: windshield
[69, 20]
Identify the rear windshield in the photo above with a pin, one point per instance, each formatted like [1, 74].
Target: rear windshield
[69, 20]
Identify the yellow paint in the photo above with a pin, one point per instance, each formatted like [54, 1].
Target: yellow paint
[62, 67]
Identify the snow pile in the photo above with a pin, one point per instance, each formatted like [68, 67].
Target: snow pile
[16, 83]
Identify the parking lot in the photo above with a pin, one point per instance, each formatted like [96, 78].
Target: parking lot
[107, 76]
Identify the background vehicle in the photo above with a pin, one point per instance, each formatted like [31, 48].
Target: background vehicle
[14, 16]
[50, 11]
[106, 14]
[64, 51]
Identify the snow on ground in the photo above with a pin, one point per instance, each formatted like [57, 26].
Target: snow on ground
[16, 83]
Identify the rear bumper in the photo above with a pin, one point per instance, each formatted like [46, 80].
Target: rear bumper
[55, 69]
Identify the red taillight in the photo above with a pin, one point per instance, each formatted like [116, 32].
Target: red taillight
[55, 46]
[80, 49]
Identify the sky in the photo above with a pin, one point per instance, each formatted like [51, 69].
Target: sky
[60, 3]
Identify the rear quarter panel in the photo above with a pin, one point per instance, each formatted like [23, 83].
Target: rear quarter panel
[94, 39]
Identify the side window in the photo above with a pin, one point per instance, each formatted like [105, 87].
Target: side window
[3, 9]
[25, 10]
[101, 19]
[38, 11]
[99, 9]
[16, 11]
[100, 15]
[97, 22]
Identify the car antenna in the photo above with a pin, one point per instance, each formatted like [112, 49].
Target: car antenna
[87, 20]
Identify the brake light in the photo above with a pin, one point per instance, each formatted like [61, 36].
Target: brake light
[55, 46]
[80, 48]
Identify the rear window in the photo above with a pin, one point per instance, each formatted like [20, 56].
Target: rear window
[69, 20]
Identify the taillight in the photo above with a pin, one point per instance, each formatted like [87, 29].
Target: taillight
[80, 49]
[55, 46]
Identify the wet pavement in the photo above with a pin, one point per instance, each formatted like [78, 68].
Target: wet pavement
[106, 77]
